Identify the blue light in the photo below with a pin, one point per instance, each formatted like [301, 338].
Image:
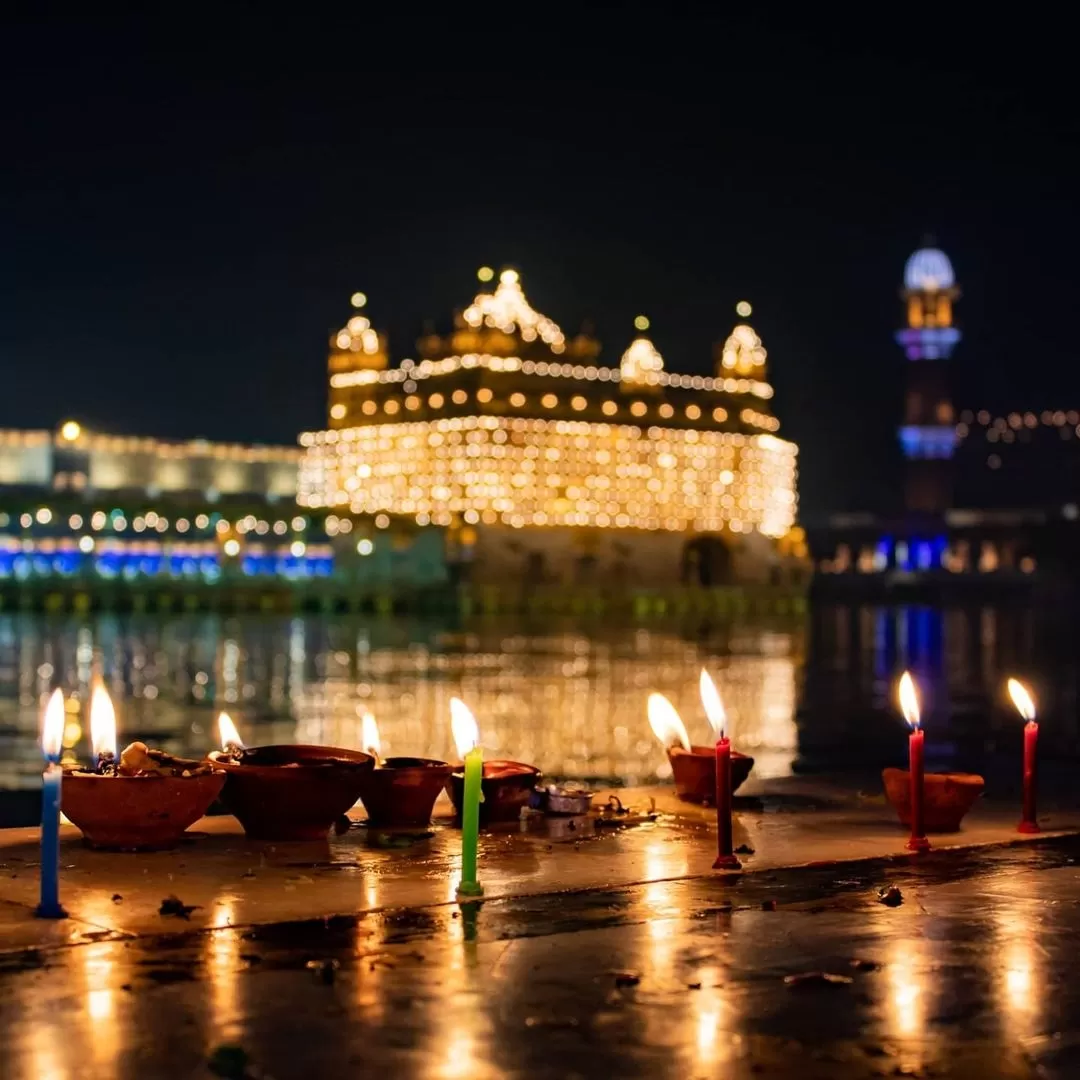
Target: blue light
[928, 343]
[928, 442]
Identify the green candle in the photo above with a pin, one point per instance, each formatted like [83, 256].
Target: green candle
[467, 737]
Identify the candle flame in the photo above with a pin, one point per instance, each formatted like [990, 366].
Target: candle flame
[369, 737]
[102, 721]
[463, 725]
[666, 723]
[714, 707]
[909, 699]
[230, 737]
[52, 726]
[1022, 699]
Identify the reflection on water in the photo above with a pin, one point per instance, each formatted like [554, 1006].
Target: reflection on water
[807, 695]
[573, 702]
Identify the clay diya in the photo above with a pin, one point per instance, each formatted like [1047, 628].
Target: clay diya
[947, 797]
[506, 786]
[143, 801]
[693, 768]
[400, 792]
[292, 792]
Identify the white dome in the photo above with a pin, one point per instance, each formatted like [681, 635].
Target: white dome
[928, 270]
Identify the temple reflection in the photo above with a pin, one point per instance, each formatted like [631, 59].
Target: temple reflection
[573, 702]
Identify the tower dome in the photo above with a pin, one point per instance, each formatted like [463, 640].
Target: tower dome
[928, 270]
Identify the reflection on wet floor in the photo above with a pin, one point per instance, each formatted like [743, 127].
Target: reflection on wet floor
[970, 976]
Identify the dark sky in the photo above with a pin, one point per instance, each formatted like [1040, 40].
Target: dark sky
[188, 202]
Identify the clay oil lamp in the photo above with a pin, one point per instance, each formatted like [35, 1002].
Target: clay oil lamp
[288, 792]
[926, 802]
[506, 787]
[693, 768]
[144, 800]
[400, 792]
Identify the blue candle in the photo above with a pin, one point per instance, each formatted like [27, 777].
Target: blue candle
[52, 739]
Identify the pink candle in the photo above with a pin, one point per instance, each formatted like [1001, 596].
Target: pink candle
[714, 709]
[1025, 705]
[909, 705]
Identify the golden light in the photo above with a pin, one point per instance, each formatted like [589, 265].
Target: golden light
[714, 707]
[666, 722]
[464, 727]
[1022, 699]
[743, 308]
[102, 722]
[509, 277]
[909, 699]
[70, 430]
[358, 299]
[230, 737]
[52, 726]
[641, 322]
[485, 273]
[369, 737]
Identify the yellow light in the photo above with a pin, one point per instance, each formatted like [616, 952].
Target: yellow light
[485, 273]
[693, 412]
[719, 414]
[86, 544]
[578, 403]
[666, 411]
[297, 548]
[70, 430]
[364, 547]
[227, 733]
[1022, 699]
[43, 516]
[639, 408]
[666, 723]
[337, 412]
[435, 401]
[368, 408]
[358, 299]
[641, 322]
[609, 408]
[460, 397]
[412, 403]
[508, 277]
[909, 699]
[549, 401]
[743, 309]
[463, 725]
[370, 742]
[517, 400]
[231, 547]
[391, 406]
[483, 395]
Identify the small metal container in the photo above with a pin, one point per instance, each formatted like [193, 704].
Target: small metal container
[567, 801]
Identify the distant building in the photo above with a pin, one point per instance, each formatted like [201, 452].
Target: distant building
[544, 465]
[986, 498]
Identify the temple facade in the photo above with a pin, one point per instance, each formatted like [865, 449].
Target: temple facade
[542, 464]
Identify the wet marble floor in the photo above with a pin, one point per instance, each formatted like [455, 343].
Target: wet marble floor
[787, 972]
[618, 954]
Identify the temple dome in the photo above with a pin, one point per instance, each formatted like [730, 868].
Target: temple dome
[928, 270]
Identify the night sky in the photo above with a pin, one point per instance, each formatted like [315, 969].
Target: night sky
[187, 205]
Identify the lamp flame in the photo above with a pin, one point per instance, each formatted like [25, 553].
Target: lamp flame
[102, 722]
[1022, 699]
[230, 737]
[463, 725]
[52, 726]
[369, 737]
[666, 723]
[714, 707]
[909, 699]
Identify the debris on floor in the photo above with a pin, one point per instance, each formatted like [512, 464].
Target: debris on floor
[174, 906]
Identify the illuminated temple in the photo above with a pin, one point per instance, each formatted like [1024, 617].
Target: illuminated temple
[538, 459]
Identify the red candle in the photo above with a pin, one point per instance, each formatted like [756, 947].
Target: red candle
[909, 705]
[714, 709]
[1025, 705]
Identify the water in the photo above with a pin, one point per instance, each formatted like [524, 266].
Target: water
[809, 694]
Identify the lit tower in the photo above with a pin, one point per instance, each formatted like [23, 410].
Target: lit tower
[354, 349]
[928, 432]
